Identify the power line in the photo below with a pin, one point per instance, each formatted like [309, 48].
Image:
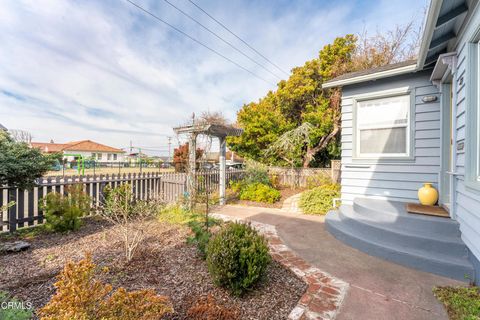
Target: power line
[223, 40]
[238, 37]
[197, 41]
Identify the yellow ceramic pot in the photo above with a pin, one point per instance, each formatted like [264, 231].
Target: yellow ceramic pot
[428, 195]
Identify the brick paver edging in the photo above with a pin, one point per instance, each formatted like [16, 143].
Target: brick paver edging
[324, 294]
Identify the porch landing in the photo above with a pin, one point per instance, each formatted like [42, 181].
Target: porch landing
[386, 230]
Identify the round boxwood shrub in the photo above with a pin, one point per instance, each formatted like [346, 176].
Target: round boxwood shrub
[237, 257]
[319, 200]
[259, 192]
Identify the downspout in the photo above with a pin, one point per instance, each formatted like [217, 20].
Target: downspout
[453, 179]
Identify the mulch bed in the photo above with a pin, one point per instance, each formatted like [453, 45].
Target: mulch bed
[165, 263]
[285, 193]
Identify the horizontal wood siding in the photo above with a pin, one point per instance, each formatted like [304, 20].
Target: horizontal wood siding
[393, 180]
[467, 202]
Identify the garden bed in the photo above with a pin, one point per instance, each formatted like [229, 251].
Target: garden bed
[166, 263]
[285, 193]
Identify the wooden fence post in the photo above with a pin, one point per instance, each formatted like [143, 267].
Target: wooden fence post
[12, 211]
[336, 168]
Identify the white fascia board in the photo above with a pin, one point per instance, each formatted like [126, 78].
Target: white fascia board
[430, 23]
[370, 77]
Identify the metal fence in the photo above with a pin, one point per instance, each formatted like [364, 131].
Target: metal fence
[167, 187]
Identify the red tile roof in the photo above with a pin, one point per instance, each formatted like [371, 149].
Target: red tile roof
[83, 145]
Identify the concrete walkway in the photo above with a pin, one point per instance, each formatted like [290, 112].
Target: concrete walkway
[291, 204]
[378, 289]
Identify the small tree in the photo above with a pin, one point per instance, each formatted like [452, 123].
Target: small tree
[180, 156]
[133, 219]
[20, 165]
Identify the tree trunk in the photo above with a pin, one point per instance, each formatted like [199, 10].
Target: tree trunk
[335, 99]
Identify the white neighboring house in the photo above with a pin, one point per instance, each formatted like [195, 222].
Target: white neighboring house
[86, 148]
[2, 128]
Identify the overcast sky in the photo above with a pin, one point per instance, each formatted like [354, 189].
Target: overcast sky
[106, 71]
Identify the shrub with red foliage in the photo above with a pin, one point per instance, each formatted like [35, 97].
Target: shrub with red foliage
[207, 308]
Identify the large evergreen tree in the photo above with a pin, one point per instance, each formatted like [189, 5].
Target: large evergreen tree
[298, 100]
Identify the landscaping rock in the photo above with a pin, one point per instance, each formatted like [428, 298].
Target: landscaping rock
[14, 246]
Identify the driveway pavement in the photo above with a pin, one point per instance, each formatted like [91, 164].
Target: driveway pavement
[378, 289]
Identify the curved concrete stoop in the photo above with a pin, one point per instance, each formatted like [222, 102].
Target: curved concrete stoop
[384, 229]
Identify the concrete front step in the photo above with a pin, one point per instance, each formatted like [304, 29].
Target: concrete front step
[390, 233]
[393, 211]
[395, 238]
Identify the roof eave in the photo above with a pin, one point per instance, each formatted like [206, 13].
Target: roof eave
[430, 23]
[371, 77]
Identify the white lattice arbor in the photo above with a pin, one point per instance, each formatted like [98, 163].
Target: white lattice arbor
[213, 130]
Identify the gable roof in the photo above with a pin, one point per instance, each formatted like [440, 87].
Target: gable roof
[389, 70]
[83, 145]
[3, 128]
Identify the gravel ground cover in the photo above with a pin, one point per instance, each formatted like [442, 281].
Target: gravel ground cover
[165, 263]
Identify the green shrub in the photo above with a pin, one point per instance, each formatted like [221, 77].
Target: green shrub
[319, 200]
[259, 192]
[63, 212]
[237, 257]
[14, 309]
[235, 186]
[318, 180]
[256, 173]
[175, 214]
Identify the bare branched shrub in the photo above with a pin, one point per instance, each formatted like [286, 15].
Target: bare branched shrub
[133, 219]
[213, 117]
[20, 135]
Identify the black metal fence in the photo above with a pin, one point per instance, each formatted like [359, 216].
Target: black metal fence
[166, 186]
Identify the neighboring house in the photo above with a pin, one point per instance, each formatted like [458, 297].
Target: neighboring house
[2, 128]
[230, 156]
[410, 123]
[136, 156]
[86, 148]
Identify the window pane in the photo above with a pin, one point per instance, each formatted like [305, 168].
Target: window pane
[377, 141]
[383, 112]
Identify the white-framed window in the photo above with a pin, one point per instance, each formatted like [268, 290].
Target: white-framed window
[383, 127]
[99, 156]
[114, 157]
[109, 156]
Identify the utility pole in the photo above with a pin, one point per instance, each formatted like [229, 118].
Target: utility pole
[169, 145]
[131, 146]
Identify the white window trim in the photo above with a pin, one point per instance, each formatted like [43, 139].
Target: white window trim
[408, 156]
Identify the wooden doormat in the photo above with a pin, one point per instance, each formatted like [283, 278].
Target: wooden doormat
[427, 210]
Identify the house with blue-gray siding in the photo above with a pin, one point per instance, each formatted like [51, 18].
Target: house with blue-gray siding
[412, 123]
